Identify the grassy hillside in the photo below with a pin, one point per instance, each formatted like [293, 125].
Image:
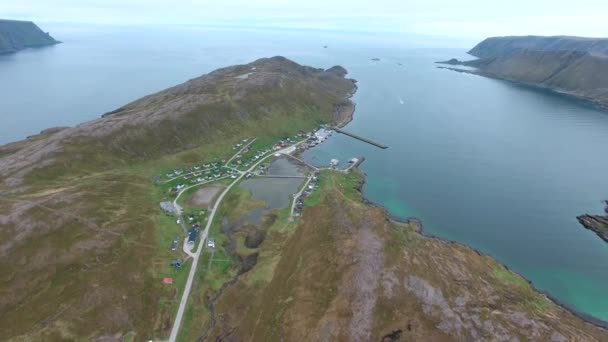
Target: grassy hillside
[84, 245]
[344, 272]
[571, 65]
[17, 35]
[502, 46]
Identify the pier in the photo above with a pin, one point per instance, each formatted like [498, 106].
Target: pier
[360, 138]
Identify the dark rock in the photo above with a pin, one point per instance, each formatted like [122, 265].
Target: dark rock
[596, 223]
[255, 239]
[393, 336]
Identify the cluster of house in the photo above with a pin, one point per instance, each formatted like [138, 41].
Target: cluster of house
[197, 173]
[239, 145]
[312, 185]
[240, 160]
[315, 138]
[209, 175]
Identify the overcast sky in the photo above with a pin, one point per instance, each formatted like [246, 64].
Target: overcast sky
[457, 18]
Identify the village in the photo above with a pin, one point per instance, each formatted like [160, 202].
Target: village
[251, 161]
[247, 162]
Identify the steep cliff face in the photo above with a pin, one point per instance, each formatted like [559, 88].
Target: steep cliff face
[18, 35]
[572, 65]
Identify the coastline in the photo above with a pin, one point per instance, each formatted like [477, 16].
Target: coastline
[418, 223]
[420, 230]
[38, 46]
[596, 104]
[596, 223]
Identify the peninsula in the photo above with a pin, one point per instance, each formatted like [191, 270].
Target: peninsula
[87, 252]
[16, 35]
[596, 223]
[573, 66]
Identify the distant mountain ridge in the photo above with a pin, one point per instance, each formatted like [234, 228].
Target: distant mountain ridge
[16, 35]
[500, 46]
[575, 66]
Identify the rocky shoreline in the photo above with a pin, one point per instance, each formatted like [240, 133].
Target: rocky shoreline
[596, 223]
[571, 66]
[597, 104]
[419, 227]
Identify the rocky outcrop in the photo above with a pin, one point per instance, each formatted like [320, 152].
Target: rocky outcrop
[17, 35]
[570, 65]
[596, 223]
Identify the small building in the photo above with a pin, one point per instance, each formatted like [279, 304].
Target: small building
[322, 134]
[168, 280]
[174, 243]
[210, 243]
[167, 207]
[192, 234]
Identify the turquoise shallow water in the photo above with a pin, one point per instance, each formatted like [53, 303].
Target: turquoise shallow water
[502, 168]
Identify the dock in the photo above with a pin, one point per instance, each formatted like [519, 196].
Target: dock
[360, 138]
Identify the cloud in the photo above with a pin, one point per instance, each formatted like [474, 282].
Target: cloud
[465, 18]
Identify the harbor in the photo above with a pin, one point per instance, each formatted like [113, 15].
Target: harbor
[358, 137]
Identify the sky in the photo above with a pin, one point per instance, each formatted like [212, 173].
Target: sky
[452, 18]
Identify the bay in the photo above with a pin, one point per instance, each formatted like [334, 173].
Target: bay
[502, 168]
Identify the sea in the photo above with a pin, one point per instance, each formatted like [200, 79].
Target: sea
[497, 166]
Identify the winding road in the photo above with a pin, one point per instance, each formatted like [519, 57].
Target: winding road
[203, 237]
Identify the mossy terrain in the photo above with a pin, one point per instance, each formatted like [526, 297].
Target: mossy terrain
[84, 244]
[343, 271]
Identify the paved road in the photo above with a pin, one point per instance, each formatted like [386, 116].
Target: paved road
[239, 152]
[178, 212]
[197, 254]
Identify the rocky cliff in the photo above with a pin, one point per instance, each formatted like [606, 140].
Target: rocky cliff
[571, 65]
[17, 35]
[596, 223]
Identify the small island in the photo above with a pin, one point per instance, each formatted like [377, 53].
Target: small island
[16, 35]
